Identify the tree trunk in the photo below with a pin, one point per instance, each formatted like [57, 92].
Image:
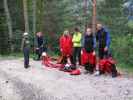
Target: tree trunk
[85, 13]
[9, 23]
[26, 16]
[34, 16]
[94, 17]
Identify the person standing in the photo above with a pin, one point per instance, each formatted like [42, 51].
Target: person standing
[40, 44]
[26, 49]
[88, 55]
[103, 38]
[66, 46]
[77, 37]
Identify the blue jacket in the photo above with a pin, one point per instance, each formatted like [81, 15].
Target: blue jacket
[107, 37]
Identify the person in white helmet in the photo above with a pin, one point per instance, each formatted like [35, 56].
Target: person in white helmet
[26, 49]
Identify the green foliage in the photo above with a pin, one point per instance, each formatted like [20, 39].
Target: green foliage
[130, 24]
[111, 14]
[122, 48]
[4, 43]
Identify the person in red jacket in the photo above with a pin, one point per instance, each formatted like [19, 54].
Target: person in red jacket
[66, 46]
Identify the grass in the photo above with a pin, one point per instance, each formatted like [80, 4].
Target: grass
[126, 68]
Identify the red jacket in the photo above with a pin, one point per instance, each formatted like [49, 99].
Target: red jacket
[105, 65]
[66, 45]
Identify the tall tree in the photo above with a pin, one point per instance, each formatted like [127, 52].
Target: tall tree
[94, 17]
[113, 16]
[34, 15]
[26, 16]
[9, 23]
[3, 33]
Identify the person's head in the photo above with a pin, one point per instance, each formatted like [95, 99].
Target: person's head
[66, 32]
[44, 54]
[25, 34]
[39, 34]
[76, 29]
[99, 26]
[88, 31]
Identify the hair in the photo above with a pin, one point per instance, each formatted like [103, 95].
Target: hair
[98, 22]
[66, 32]
[76, 29]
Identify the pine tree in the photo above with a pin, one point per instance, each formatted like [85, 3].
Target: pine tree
[110, 13]
[9, 23]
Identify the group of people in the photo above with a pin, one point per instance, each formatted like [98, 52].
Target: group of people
[79, 49]
[40, 46]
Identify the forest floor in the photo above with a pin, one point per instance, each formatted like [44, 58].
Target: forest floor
[41, 83]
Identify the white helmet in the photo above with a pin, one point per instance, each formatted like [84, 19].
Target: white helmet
[44, 54]
[25, 34]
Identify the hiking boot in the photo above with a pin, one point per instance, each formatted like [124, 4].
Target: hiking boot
[86, 72]
[26, 66]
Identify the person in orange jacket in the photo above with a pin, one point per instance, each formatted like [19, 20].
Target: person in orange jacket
[66, 46]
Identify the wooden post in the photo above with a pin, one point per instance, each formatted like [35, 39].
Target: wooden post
[94, 17]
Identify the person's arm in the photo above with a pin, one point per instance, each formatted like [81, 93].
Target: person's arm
[108, 40]
[35, 42]
[83, 40]
[94, 42]
[71, 43]
[97, 37]
[22, 46]
[45, 42]
[60, 43]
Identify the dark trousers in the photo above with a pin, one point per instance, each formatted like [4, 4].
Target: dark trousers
[77, 54]
[114, 70]
[102, 53]
[89, 67]
[26, 52]
[64, 59]
[40, 51]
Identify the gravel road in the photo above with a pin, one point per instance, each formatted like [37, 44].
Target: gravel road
[40, 83]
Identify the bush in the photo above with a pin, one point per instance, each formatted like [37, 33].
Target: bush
[122, 48]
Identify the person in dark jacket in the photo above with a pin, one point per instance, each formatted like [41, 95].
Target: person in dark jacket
[26, 49]
[40, 44]
[88, 56]
[103, 38]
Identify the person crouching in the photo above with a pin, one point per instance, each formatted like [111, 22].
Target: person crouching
[88, 56]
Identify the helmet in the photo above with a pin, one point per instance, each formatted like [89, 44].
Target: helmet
[44, 54]
[25, 34]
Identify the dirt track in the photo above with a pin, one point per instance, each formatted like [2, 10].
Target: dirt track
[39, 83]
